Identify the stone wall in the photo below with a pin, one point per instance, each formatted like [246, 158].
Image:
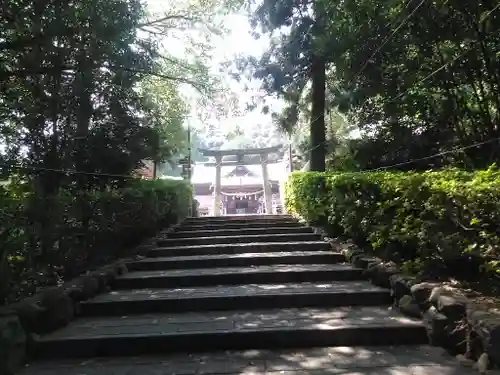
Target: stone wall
[452, 321]
[54, 308]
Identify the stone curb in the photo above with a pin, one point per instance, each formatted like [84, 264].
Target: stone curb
[55, 307]
[451, 321]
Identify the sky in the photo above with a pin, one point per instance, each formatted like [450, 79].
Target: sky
[238, 41]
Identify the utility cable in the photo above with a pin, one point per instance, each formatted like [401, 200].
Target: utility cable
[386, 40]
[485, 16]
[66, 171]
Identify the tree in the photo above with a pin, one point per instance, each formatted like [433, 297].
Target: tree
[86, 95]
[295, 58]
[418, 78]
[71, 81]
[165, 115]
[186, 32]
[72, 94]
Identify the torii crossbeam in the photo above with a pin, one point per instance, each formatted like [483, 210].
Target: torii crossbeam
[240, 153]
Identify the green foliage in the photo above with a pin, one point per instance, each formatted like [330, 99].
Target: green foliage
[294, 66]
[429, 218]
[165, 116]
[88, 92]
[430, 88]
[416, 78]
[119, 220]
[305, 193]
[68, 81]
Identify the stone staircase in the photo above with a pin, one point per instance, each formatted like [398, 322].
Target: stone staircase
[231, 283]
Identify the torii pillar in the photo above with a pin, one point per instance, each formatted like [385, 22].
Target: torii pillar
[217, 190]
[219, 154]
[265, 184]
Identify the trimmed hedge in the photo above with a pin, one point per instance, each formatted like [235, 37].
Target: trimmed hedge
[46, 241]
[440, 222]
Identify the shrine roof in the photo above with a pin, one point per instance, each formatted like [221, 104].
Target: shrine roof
[203, 174]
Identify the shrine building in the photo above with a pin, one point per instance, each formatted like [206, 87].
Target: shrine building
[237, 183]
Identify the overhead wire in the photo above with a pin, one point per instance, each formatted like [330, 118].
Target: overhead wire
[66, 171]
[384, 42]
[483, 18]
[455, 150]
[468, 50]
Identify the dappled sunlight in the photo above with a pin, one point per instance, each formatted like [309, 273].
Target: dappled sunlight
[193, 233]
[237, 290]
[232, 270]
[249, 256]
[229, 291]
[383, 360]
[306, 319]
[261, 310]
[234, 248]
[248, 244]
[321, 319]
[233, 238]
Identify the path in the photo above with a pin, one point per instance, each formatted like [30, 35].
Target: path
[260, 286]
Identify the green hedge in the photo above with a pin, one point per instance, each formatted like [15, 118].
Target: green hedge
[425, 220]
[44, 241]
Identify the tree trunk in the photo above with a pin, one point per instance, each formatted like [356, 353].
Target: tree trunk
[317, 126]
[84, 88]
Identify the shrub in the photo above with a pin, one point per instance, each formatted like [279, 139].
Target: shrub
[432, 219]
[44, 241]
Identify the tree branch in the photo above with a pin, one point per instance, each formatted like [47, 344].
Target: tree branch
[179, 63]
[168, 18]
[164, 76]
[22, 73]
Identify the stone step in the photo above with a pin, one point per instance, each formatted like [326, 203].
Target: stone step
[229, 225]
[295, 237]
[237, 218]
[237, 260]
[235, 330]
[242, 232]
[236, 248]
[249, 297]
[238, 275]
[396, 360]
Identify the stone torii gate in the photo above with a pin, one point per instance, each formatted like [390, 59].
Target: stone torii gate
[240, 153]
